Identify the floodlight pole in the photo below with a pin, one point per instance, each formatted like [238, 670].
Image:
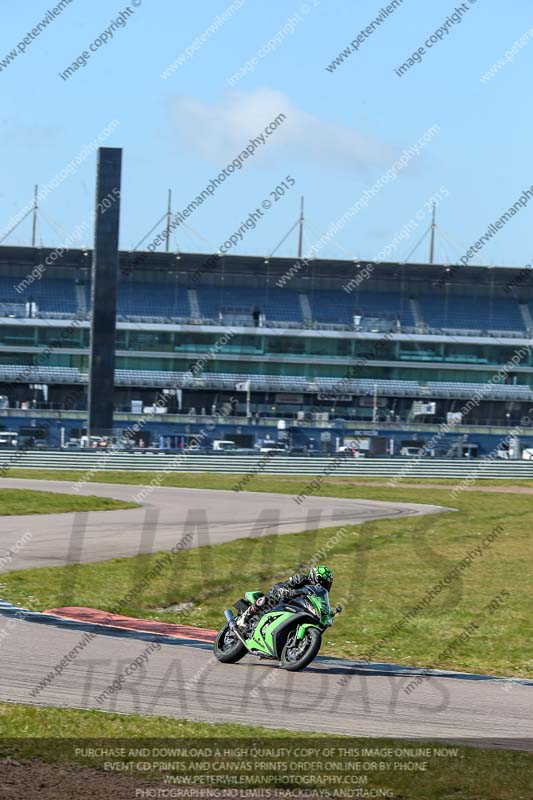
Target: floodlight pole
[34, 226]
[301, 236]
[432, 241]
[169, 215]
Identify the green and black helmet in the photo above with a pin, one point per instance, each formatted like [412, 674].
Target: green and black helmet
[322, 575]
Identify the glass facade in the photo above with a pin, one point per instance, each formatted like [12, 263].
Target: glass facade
[257, 352]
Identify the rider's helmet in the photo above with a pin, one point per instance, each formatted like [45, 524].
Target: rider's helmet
[321, 575]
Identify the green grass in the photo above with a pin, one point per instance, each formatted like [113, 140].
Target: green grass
[29, 501]
[382, 570]
[471, 774]
[210, 480]
[385, 566]
[19, 721]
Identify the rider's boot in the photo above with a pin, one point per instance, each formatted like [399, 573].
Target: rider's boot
[250, 612]
[246, 616]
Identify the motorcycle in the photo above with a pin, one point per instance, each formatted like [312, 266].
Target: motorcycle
[290, 632]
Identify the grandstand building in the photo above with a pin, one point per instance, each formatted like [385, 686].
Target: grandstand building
[402, 351]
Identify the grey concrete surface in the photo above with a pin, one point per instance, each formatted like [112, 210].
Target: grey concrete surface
[182, 681]
[185, 682]
[211, 516]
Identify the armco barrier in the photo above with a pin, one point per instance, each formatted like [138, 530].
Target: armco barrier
[94, 462]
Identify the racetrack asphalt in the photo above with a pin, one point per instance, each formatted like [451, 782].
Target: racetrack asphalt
[183, 679]
[211, 516]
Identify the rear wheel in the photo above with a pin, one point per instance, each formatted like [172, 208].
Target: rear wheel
[227, 647]
[298, 653]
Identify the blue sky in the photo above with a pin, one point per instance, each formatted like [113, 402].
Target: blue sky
[343, 129]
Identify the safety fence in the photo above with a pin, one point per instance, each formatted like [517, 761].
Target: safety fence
[266, 464]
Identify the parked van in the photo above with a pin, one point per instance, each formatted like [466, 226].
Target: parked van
[9, 439]
[410, 451]
[224, 444]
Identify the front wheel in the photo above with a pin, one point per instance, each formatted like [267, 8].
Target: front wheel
[227, 647]
[298, 653]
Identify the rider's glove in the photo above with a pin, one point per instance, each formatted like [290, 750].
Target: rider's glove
[297, 580]
[285, 593]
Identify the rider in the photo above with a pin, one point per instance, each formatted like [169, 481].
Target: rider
[286, 590]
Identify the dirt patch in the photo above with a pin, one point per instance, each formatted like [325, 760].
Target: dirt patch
[177, 608]
[20, 780]
[442, 486]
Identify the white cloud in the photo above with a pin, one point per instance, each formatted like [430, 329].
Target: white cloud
[218, 131]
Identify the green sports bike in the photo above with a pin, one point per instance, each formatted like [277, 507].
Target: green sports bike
[290, 632]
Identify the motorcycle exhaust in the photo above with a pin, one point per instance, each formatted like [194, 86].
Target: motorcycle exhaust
[233, 625]
[230, 618]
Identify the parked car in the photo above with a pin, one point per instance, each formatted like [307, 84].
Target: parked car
[351, 452]
[274, 447]
[411, 451]
[71, 446]
[224, 444]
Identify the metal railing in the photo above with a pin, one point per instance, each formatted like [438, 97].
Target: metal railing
[150, 461]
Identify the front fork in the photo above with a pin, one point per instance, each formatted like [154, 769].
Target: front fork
[303, 628]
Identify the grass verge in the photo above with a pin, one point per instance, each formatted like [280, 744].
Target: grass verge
[211, 480]
[29, 501]
[462, 773]
[383, 571]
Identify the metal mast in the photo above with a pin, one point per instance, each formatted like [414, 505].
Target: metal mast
[301, 236]
[432, 240]
[169, 215]
[34, 226]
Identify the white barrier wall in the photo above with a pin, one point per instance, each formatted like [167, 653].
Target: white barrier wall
[331, 466]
